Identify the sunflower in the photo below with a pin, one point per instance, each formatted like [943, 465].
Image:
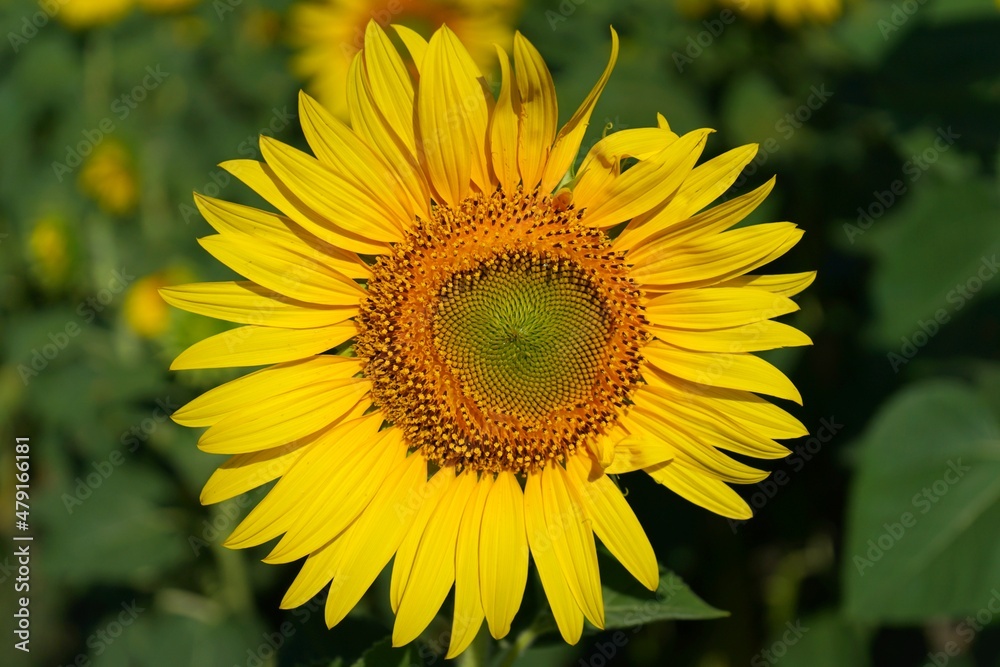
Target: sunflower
[786, 12]
[464, 342]
[328, 33]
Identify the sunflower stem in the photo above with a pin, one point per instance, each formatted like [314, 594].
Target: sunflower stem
[524, 641]
[478, 653]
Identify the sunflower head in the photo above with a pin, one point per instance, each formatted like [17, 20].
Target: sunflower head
[464, 339]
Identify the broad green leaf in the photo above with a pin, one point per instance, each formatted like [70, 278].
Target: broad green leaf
[925, 268]
[142, 635]
[924, 510]
[628, 604]
[819, 641]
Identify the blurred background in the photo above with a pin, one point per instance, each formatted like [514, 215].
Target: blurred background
[876, 543]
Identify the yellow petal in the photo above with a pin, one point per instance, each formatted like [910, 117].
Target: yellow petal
[280, 419]
[788, 284]
[451, 120]
[329, 194]
[637, 452]
[705, 183]
[640, 188]
[567, 143]
[242, 392]
[414, 42]
[574, 547]
[539, 113]
[730, 370]
[262, 179]
[388, 81]
[258, 346]
[700, 455]
[284, 271]
[420, 506]
[716, 308]
[764, 335]
[249, 303]
[615, 523]
[555, 582]
[469, 615]
[711, 260]
[244, 472]
[375, 536]
[346, 154]
[227, 217]
[700, 489]
[316, 572]
[433, 569]
[277, 512]
[503, 554]
[349, 486]
[747, 411]
[709, 426]
[602, 162]
[655, 235]
[503, 128]
[391, 139]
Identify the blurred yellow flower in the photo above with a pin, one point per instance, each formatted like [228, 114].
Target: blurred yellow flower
[90, 13]
[108, 177]
[166, 6]
[49, 251]
[786, 12]
[327, 34]
[145, 311]
[80, 14]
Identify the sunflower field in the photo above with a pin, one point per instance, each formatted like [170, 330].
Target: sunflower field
[496, 333]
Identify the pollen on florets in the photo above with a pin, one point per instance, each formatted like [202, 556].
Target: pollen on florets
[501, 335]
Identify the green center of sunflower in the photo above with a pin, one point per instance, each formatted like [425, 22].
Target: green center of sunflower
[524, 333]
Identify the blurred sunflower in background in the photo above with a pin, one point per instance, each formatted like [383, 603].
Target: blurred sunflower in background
[787, 12]
[82, 14]
[328, 33]
[109, 178]
[465, 339]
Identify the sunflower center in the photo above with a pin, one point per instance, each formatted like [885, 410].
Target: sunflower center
[524, 334]
[502, 334]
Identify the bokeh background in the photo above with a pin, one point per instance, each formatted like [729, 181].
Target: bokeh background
[877, 543]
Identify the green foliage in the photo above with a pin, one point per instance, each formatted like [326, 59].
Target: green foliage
[925, 507]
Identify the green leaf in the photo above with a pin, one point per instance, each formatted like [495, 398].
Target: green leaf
[628, 604]
[382, 654]
[925, 268]
[826, 640]
[155, 638]
[924, 508]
